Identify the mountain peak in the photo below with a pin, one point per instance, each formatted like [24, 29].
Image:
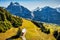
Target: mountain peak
[19, 10]
[15, 3]
[37, 9]
[47, 8]
[11, 3]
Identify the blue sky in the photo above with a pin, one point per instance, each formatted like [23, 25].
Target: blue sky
[32, 4]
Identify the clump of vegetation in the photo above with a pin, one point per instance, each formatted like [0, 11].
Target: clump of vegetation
[43, 29]
[7, 20]
[47, 31]
[56, 34]
[16, 22]
[5, 26]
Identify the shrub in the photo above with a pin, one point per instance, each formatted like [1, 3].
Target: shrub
[5, 26]
[58, 38]
[16, 22]
[2, 17]
[56, 34]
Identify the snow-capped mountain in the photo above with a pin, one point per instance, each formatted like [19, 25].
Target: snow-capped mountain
[47, 14]
[19, 10]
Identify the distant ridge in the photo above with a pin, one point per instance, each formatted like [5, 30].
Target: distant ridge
[47, 14]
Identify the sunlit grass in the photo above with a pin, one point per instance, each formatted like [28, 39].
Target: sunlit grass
[33, 32]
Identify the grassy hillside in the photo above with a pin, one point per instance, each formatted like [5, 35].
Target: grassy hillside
[49, 29]
[33, 32]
